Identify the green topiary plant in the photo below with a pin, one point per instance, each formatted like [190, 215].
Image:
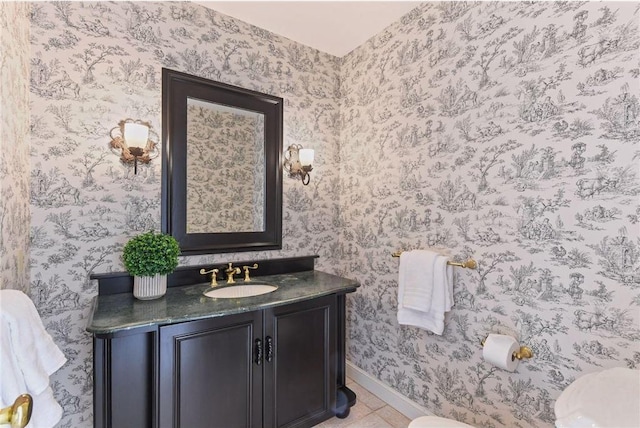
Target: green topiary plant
[151, 253]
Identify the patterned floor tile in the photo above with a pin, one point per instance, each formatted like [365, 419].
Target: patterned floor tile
[368, 412]
[393, 417]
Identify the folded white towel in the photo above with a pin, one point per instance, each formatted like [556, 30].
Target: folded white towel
[416, 278]
[431, 317]
[28, 356]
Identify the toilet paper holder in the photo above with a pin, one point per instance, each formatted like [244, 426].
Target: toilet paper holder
[523, 353]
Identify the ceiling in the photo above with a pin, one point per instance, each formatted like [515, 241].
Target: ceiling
[335, 27]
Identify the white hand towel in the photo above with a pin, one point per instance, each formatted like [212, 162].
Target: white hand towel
[416, 279]
[431, 318]
[28, 356]
[36, 353]
[46, 410]
[11, 382]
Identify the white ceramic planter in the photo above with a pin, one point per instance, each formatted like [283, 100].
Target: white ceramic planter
[149, 287]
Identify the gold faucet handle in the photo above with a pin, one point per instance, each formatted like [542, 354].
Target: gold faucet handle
[213, 272]
[246, 271]
[19, 414]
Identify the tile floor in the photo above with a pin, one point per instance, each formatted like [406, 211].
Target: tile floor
[369, 412]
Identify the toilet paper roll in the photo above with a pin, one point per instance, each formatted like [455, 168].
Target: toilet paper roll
[498, 350]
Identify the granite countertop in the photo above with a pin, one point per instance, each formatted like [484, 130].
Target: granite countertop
[120, 312]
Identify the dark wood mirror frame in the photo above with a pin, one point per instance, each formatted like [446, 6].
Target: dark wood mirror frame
[177, 87]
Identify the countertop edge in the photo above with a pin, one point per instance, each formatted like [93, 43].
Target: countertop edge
[124, 328]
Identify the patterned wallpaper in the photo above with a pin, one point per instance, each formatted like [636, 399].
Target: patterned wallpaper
[14, 145]
[96, 63]
[503, 131]
[507, 132]
[225, 170]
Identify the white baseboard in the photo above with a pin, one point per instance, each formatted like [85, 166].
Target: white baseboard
[385, 393]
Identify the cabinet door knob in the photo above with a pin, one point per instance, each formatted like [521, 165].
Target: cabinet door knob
[258, 351]
[269, 355]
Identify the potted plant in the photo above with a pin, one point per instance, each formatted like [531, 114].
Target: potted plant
[149, 257]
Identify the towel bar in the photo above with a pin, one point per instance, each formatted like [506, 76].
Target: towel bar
[469, 264]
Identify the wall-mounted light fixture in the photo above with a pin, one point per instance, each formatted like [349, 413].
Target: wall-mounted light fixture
[134, 141]
[298, 162]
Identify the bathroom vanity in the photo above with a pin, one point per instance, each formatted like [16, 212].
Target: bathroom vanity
[186, 360]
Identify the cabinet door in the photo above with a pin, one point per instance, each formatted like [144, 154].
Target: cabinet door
[124, 372]
[208, 374]
[300, 369]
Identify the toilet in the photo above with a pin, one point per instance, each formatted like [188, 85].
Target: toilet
[606, 399]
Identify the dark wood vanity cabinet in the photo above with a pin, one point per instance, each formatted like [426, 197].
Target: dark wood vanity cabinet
[276, 367]
[125, 378]
[270, 368]
[208, 376]
[300, 375]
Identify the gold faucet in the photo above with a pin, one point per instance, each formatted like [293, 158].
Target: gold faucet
[246, 271]
[230, 271]
[213, 272]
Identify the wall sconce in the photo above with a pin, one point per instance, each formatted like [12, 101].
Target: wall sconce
[298, 162]
[134, 141]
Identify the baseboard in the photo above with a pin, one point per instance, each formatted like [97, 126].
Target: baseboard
[385, 393]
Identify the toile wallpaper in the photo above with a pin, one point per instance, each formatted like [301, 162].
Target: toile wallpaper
[96, 63]
[14, 145]
[505, 131]
[225, 150]
[508, 132]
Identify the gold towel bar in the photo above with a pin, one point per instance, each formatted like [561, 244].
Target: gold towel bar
[469, 264]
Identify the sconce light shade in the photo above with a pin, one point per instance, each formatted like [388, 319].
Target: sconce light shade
[134, 141]
[136, 134]
[306, 157]
[298, 162]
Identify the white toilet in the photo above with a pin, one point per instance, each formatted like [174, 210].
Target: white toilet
[606, 399]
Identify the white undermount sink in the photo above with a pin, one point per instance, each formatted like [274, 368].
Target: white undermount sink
[244, 290]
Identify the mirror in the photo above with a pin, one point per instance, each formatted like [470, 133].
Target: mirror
[233, 140]
[221, 175]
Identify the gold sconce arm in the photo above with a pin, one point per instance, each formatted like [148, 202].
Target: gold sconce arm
[19, 414]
